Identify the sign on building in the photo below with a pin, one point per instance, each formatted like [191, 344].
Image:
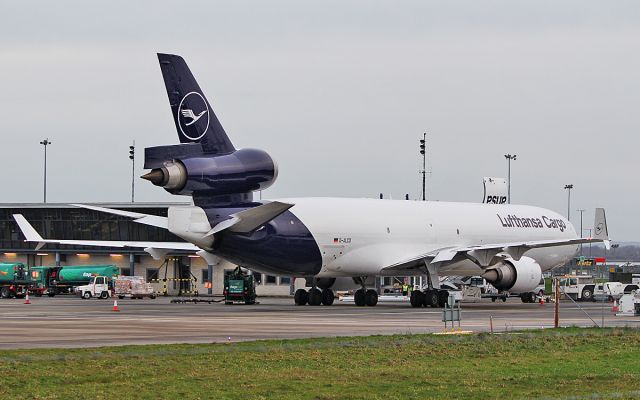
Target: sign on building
[495, 190]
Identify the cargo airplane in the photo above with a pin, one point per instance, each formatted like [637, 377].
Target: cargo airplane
[322, 239]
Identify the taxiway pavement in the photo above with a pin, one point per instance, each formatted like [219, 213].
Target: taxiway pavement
[73, 322]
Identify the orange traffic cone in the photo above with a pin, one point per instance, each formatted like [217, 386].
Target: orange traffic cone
[115, 305]
[541, 300]
[616, 307]
[26, 299]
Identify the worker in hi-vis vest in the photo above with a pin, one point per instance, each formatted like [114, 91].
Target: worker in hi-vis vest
[405, 289]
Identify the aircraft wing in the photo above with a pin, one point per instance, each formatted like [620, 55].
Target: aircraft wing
[146, 219]
[241, 222]
[483, 254]
[32, 235]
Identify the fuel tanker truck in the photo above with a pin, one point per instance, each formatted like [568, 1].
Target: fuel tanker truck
[57, 280]
[14, 280]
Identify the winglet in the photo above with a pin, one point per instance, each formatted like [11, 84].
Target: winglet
[600, 230]
[29, 231]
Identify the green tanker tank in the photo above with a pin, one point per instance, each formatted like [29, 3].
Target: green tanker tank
[64, 279]
[77, 275]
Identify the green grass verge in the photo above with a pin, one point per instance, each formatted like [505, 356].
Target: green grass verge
[563, 363]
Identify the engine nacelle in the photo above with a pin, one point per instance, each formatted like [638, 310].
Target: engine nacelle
[516, 276]
[245, 170]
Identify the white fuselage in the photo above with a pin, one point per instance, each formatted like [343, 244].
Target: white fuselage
[361, 237]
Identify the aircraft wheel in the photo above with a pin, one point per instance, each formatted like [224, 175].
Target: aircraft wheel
[359, 297]
[416, 298]
[431, 298]
[493, 299]
[327, 297]
[532, 297]
[301, 297]
[5, 293]
[524, 298]
[504, 299]
[371, 297]
[315, 297]
[443, 297]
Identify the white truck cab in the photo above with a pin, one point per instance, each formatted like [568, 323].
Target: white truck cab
[608, 291]
[98, 287]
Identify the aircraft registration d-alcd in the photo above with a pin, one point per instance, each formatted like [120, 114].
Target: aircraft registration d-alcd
[327, 238]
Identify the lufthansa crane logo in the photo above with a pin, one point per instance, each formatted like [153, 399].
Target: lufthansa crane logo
[599, 228]
[193, 116]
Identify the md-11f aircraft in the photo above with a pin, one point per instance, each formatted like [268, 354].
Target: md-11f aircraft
[322, 239]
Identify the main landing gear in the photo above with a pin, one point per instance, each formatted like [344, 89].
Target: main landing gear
[314, 297]
[364, 297]
[432, 296]
[429, 298]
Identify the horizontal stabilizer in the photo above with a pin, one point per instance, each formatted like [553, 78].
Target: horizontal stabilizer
[251, 219]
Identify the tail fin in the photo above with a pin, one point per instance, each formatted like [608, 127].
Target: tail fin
[600, 230]
[192, 113]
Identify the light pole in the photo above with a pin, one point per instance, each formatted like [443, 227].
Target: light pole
[132, 157]
[590, 231]
[509, 157]
[423, 143]
[581, 210]
[568, 187]
[45, 143]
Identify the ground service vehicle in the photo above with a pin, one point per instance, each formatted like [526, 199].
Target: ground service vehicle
[239, 287]
[132, 286]
[97, 287]
[630, 280]
[14, 280]
[578, 287]
[59, 280]
[534, 295]
[608, 291]
[38, 276]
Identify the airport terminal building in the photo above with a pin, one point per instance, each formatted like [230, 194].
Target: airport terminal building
[62, 221]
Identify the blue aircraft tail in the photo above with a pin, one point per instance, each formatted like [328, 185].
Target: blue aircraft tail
[194, 118]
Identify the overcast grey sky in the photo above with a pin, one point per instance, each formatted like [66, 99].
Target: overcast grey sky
[339, 92]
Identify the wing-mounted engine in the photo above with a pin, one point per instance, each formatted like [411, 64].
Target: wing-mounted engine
[195, 172]
[516, 276]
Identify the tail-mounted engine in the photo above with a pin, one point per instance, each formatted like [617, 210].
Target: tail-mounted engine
[516, 276]
[187, 170]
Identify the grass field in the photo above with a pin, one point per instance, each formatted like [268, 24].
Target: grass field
[566, 363]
